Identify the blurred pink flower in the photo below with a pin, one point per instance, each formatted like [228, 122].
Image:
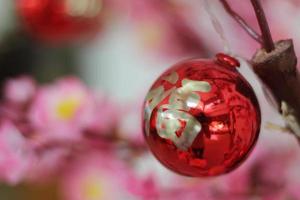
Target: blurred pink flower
[15, 154]
[130, 127]
[48, 164]
[266, 174]
[145, 188]
[197, 193]
[17, 95]
[162, 29]
[62, 110]
[105, 116]
[19, 90]
[98, 176]
[168, 185]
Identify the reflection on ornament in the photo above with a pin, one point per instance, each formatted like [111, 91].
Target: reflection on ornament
[201, 117]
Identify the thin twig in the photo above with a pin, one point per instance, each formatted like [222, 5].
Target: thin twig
[275, 127]
[242, 22]
[264, 26]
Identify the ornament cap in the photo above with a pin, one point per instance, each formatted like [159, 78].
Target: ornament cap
[227, 60]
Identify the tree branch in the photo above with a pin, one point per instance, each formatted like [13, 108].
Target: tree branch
[264, 26]
[251, 32]
[276, 66]
[279, 74]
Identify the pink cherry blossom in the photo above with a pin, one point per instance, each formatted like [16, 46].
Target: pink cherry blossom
[98, 176]
[62, 110]
[17, 95]
[130, 126]
[105, 115]
[15, 154]
[266, 174]
[188, 193]
[19, 90]
[48, 164]
[145, 188]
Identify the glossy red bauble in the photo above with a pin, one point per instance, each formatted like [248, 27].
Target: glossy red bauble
[201, 117]
[61, 20]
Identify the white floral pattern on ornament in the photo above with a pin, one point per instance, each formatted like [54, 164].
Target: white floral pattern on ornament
[170, 116]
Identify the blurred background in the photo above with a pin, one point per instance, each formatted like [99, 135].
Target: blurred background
[74, 74]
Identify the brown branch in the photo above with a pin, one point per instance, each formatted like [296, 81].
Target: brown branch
[264, 26]
[94, 140]
[251, 32]
[279, 73]
[276, 66]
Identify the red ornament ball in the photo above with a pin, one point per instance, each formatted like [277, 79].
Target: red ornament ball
[61, 20]
[201, 117]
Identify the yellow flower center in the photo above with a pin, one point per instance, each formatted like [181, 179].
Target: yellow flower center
[92, 189]
[67, 108]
